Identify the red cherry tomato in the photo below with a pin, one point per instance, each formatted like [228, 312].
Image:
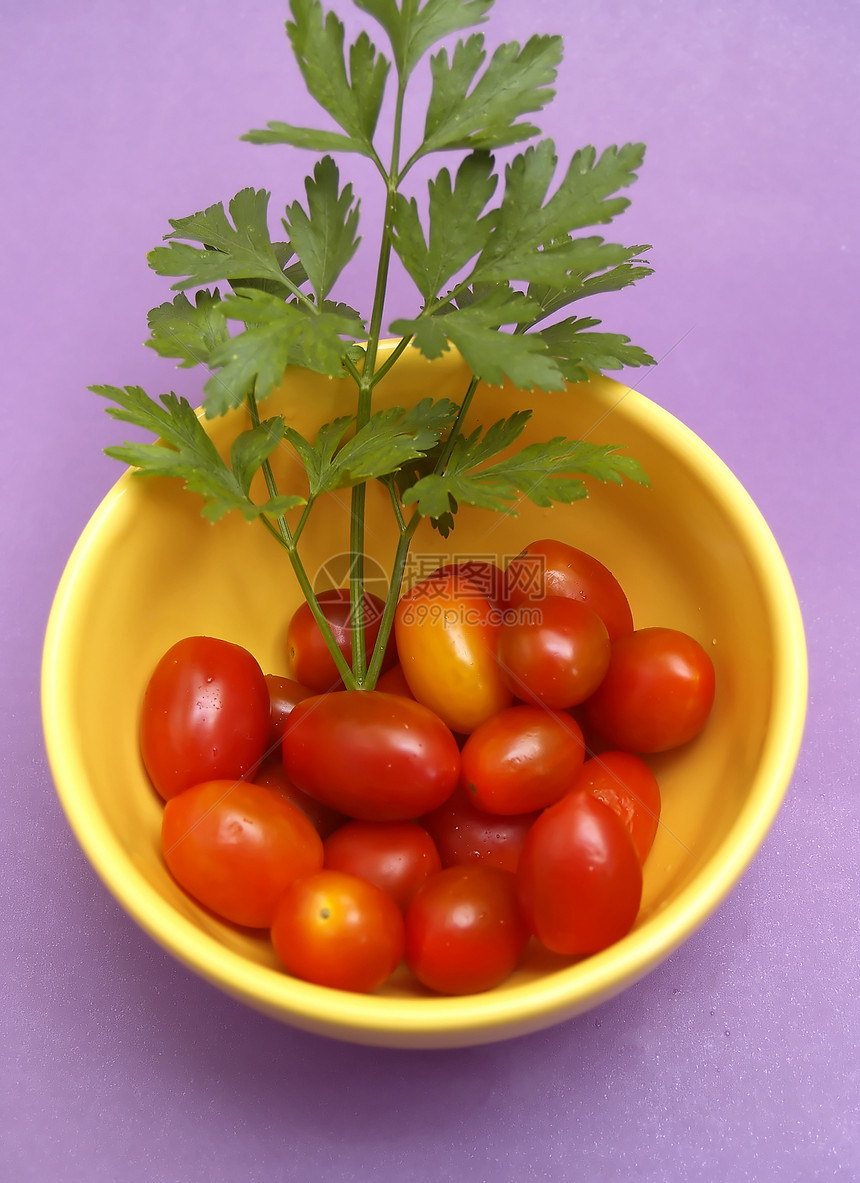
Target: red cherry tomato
[396, 856]
[446, 640]
[374, 756]
[205, 715]
[465, 834]
[552, 568]
[338, 930]
[393, 682]
[521, 760]
[310, 660]
[579, 878]
[236, 847]
[628, 786]
[464, 930]
[273, 775]
[554, 652]
[284, 693]
[657, 693]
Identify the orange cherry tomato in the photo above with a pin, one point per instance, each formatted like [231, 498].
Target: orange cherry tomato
[446, 633]
[338, 930]
[236, 847]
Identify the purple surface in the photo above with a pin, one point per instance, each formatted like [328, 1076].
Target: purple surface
[736, 1059]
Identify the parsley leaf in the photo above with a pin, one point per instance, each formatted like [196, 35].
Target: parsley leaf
[186, 331]
[412, 30]
[542, 472]
[277, 335]
[324, 238]
[243, 251]
[392, 438]
[593, 266]
[187, 452]
[577, 350]
[457, 230]
[526, 222]
[353, 100]
[515, 83]
[492, 355]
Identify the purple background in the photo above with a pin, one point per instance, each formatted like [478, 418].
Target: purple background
[736, 1059]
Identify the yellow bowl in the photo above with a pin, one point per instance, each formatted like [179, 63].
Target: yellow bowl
[692, 552]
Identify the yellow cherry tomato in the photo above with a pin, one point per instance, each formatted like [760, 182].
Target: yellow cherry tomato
[446, 631]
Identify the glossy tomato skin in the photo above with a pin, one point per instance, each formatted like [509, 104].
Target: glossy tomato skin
[396, 856]
[549, 567]
[393, 682]
[284, 693]
[521, 760]
[371, 755]
[554, 653]
[446, 640]
[310, 660]
[205, 715]
[628, 786]
[464, 930]
[273, 775]
[475, 577]
[236, 846]
[657, 693]
[338, 930]
[579, 879]
[465, 834]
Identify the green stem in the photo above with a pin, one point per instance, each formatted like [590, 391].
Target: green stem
[407, 530]
[288, 540]
[456, 430]
[365, 393]
[391, 360]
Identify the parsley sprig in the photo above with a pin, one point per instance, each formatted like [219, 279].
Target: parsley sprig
[494, 260]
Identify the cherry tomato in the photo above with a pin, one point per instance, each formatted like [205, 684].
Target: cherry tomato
[552, 568]
[657, 693]
[284, 693]
[628, 786]
[579, 878]
[396, 856]
[338, 930]
[273, 775]
[374, 756]
[521, 760]
[465, 834]
[205, 715]
[464, 930]
[393, 682]
[236, 846]
[310, 660]
[554, 652]
[475, 576]
[446, 639]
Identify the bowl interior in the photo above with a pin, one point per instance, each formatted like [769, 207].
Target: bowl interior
[691, 552]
